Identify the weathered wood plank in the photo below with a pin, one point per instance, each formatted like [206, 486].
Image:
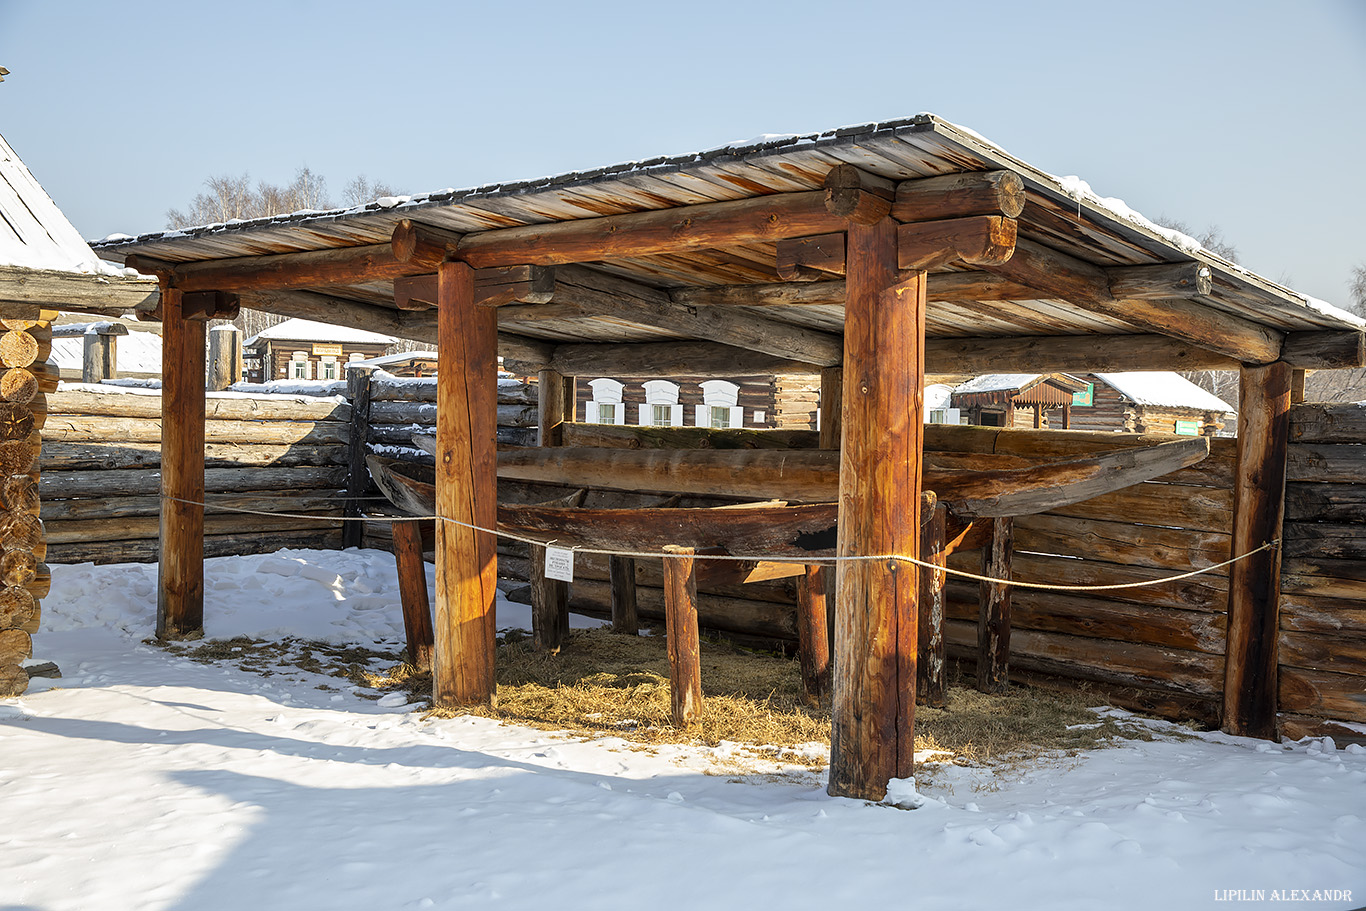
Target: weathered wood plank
[1258, 505]
[1315, 422]
[216, 407]
[1319, 652]
[1326, 463]
[1322, 693]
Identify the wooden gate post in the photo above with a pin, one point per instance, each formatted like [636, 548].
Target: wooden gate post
[357, 475]
[180, 590]
[1254, 591]
[466, 492]
[993, 621]
[99, 356]
[550, 597]
[813, 631]
[680, 620]
[873, 707]
[932, 669]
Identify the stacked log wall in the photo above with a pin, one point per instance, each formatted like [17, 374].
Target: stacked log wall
[25, 379]
[1322, 643]
[1158, 648]
[283, 455]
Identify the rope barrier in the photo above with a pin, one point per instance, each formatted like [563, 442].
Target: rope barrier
[893, 558]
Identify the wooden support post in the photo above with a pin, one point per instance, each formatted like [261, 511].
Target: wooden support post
[550, 597]
[993, 625]
[831, 410]
[100, 356]
[685, 651]
[873, 705]
[466, 492]
[357, 475]
[180, 594]
[549, 605]
[1250, 677]
[932, 677]
[225, 356]
[412, 592]
[1038, 417]
[813, 632]
[621, 572]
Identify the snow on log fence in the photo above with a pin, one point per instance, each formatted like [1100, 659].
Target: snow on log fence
[1158, 648]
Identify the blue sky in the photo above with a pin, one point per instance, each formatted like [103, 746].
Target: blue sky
[1247, 115]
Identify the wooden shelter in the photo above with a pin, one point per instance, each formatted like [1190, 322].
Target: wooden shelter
[871, 254]
[44, 265]
[1002, 399]
[1149, 402]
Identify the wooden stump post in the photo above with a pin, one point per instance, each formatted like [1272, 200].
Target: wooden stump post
[180, 596]
[466, 492]
[412, 592]
[99, 356]
[931, 682]
[621, 573]
[225, 356]
[873, 706]
[550, 597]
[993, 625]
[1250, 665]
[685, 651]
[357, 475]
[813, 641]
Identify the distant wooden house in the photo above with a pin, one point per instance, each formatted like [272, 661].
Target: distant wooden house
[403, 363]
[1136, 402]
[1016, 399]
[1148, 402]
[300, 349]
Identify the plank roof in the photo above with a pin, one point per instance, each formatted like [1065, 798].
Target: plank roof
[34, 234]
[1062, 214]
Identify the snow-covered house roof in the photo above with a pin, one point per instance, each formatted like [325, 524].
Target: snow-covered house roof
[304, 330]
[387, 360]
[997, 382]
[34, 234]
[1163, 388]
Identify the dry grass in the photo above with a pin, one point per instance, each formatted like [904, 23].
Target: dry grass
[619, 685]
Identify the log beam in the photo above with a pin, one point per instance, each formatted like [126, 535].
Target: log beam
[665, 359]
[873, 705]
[1250, 666]
[79, 293]
[1324, 350]
[855, 194]
[180, 588]
[762, 219]
[1166, 281]
[598, 294]
[959, 195]
[466, 485]
[983, 240]
[1056, 274]
[809, 259]
[1076, 353]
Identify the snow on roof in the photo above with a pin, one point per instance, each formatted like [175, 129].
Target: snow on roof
[136, 352]
[997, 382]
[402, 357]
[1163, 388]
[305, 330]
[34, 234]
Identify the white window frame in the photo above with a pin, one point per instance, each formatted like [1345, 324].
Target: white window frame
[664, 394]
[300, 367]
[605, 392]
[720, 406]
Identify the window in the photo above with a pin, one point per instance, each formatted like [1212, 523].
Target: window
[606, 406]
[661, 408]
[719, 406]
[328, 369]
[299, 366]
[938, 416]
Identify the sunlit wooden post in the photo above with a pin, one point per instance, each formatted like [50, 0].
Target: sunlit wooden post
[466, 492]
[872, 734]
[180, 591]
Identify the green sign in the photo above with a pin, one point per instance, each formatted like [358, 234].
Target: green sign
[1084, 398]
[1188, 428]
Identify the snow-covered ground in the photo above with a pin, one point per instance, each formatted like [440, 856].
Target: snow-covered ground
[143, 780]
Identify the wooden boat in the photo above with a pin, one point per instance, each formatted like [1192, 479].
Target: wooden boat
[970, 485]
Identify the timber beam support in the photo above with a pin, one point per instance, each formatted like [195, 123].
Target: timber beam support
[1059, 275]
